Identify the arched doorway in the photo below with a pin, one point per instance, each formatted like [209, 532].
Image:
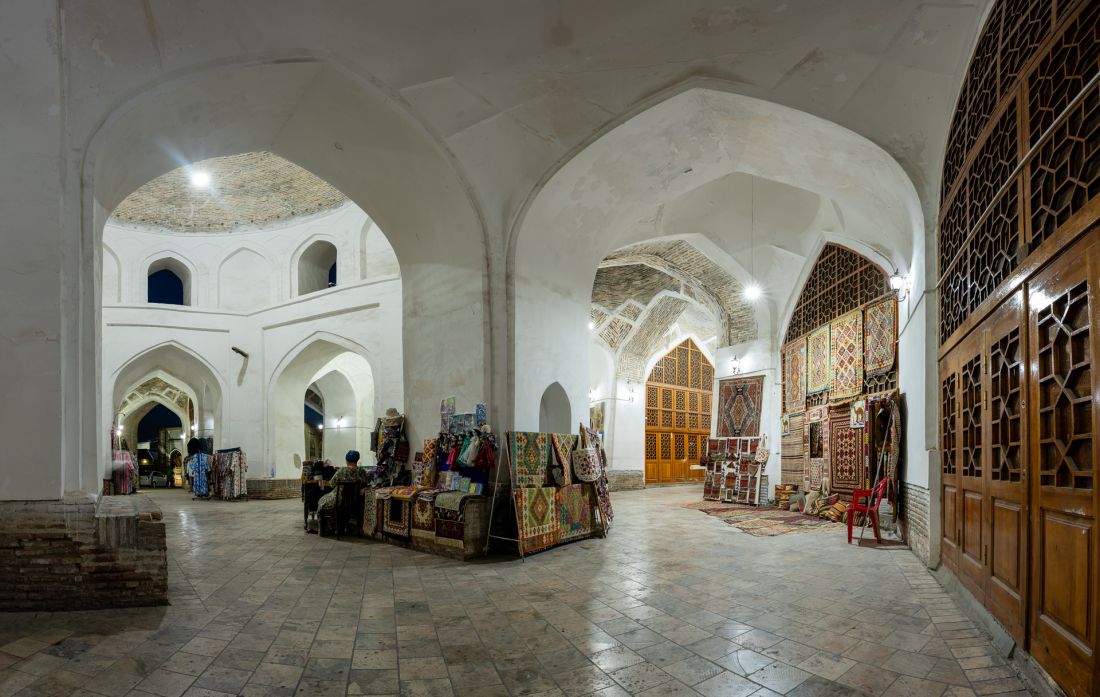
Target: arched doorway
[554, 414]
[678, 396]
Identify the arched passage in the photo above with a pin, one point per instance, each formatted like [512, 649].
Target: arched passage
[341, 374]
[345, 130]
[554, 414]
[168, 282]
[317, 267]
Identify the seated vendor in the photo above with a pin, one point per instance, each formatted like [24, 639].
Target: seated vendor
[352, 473]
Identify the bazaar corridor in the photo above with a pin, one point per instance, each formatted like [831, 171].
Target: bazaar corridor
[661, 607]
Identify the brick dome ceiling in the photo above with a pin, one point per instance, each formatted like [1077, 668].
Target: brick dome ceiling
[252, 189]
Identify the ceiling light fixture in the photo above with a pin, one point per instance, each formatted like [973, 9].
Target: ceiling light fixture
[591, 326]
[753, 292]
[200, 179]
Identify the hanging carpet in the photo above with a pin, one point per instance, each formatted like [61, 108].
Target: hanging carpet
[574, 503]
[880, 332]
[817, 360]
[530, 456]
[846, 355]
[564, 445]
[792, 455]
[846, 454]
[537, 513]
[423, 519]
[739, 406]
[794, 375]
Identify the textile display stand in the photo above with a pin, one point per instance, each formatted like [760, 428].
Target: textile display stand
[227, 472]
[577, 504]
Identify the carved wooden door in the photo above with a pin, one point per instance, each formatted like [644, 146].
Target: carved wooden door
[949, 460]
[1006, 465]
[678, 414]
[971, 502]
[1065, 583]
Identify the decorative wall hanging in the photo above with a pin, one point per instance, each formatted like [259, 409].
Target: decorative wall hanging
[785, 424]
[846, 454]
[858, 413]
[880, 327]
[792, 453]
[794, 375]
[818, 360]
[538, 518]
[846, 355]
[530, 456]
[739, 402]
[595, 417]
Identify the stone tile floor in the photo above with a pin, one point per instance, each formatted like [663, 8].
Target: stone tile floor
[674, 603]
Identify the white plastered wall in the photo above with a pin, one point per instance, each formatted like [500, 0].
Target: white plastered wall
[354, 328]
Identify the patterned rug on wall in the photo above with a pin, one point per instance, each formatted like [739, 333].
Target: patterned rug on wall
[846, 454]
[846, 355]
[792, 456]
[739, 402]
[764, 521]
[817, 360]
[794, 375]
[880, 334]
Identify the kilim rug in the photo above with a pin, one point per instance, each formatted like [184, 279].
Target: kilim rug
[817, 466]
[794, 375]
[564, 445]
[537, 512]
[574, 511]
[846, 355]
[397, 516]
[792, 456]
[739, 406]
[530, 456]
[764, 521]
[423, 519]
[846, 454]
[817, 360]
[880, 331]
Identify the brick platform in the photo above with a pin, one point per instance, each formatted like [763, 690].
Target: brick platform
[625, 480]
[74, 555]
[274, 488]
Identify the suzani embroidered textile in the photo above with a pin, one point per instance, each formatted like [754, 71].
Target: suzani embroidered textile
[880, 331]
[739, 406]
[817, 360]
[537, 512]
[530, 456]
[846, 355]
[574, 511]
[794, 375]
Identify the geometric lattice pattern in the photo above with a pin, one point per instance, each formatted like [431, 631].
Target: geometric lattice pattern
[794, 376]
[841, 280]
[817, 360]
[948, 394]
[880, 336]
[1005, 399]
[846, 355]
[1065, 392]
[1023, 77]
[970, 429]
[739, 406]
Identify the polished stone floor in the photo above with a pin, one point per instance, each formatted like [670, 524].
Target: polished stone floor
[674, 603]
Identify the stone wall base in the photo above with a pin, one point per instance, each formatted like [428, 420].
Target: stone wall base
[916, 527]
[73, 554]
[625, 480]
[274, 488]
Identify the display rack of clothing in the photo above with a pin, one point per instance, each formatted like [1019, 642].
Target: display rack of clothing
[229, 474]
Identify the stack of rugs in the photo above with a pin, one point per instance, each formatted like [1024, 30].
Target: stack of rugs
[811, 502]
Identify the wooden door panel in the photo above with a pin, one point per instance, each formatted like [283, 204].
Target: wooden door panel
[1065, 588]
[949, 457]
[972, 467]
[1007, 560]
[971, 558]
[950, 552]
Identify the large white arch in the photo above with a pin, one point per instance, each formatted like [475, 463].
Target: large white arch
[615, 192]
[345, 129]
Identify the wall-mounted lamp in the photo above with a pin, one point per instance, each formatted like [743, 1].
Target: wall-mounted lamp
[735, 365]
[900, 285]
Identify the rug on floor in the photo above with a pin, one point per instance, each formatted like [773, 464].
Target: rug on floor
[762, 521]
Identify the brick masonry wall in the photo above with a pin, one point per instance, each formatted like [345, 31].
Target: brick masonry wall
[274, 488]
[625, 480]
[917, 504]
[74, 555]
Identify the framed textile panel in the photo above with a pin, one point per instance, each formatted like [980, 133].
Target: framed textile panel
[846, 355]
[794, 375]
[817, 360]
[739, 401]
[880, 335]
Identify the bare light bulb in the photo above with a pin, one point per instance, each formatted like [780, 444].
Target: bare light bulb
[753, 292]
[200, 179]
[591, 326]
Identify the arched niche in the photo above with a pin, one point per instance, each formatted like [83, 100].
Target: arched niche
[555, 415]
[244, 281]
[317, 267]
[168, 282]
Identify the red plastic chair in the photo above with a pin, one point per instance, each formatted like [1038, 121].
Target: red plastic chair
[880, 491]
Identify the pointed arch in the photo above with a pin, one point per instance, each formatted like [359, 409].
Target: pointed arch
[244, 280]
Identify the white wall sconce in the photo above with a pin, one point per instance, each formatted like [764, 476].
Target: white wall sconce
[900, 285]
[735, 366]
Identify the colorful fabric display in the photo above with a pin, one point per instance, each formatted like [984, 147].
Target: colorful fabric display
[530, 455]
[537, 512]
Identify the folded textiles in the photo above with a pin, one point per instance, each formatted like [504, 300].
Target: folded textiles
[406, 493]
[452, 500]
[429, 494]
